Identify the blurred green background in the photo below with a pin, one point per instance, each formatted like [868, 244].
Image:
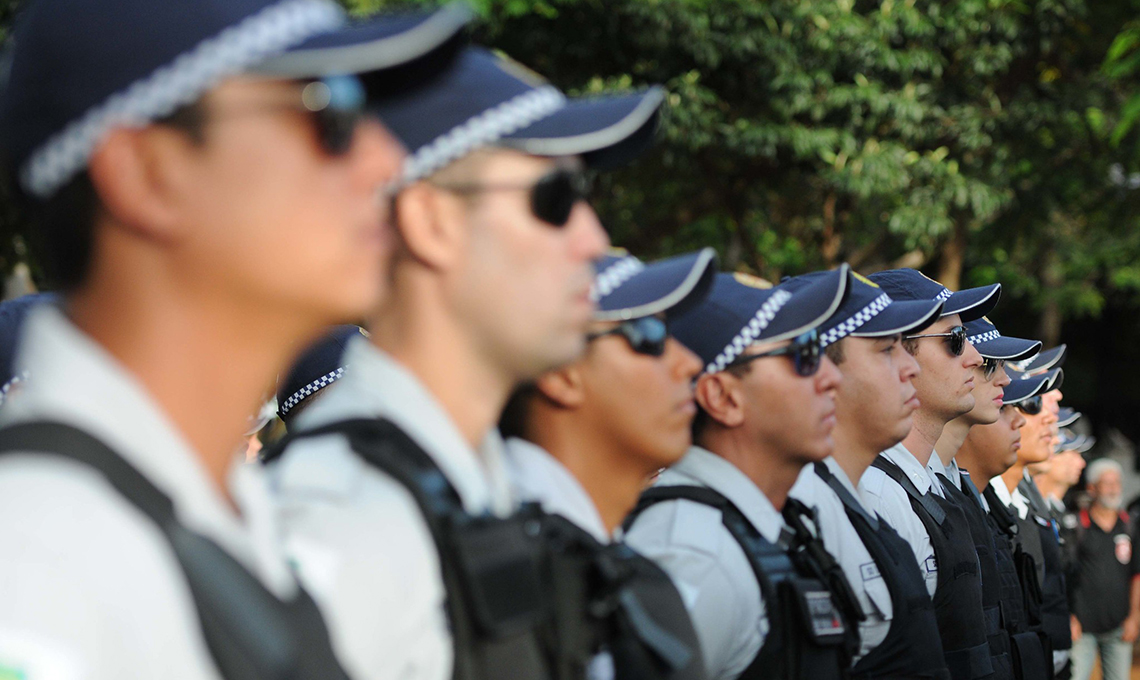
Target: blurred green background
[977, 140]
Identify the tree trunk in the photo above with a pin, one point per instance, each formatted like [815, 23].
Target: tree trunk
[1052, 277]
[953, 257]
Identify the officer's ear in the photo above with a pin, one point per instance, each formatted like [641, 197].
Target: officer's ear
[431, 225]
[138, 176]
[720, 397]
[563, 387]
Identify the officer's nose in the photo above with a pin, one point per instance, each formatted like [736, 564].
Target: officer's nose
[686, 364]
[971, 358]
[828, 377]
[589, 239]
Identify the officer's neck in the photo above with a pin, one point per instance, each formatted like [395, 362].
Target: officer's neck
[953, 436]
[207, 361]
[419, 331]
[1013, 476]
[1049, 487]
[773, 471]
[853, 453]
[924, 434]
[973, 460]
[612, 475]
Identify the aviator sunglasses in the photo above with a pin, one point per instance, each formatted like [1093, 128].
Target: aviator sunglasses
[805, 351]
[1031, 406]
[646, 335]
[336, 105]
[955, 339]
[991, 366]
[552, 197]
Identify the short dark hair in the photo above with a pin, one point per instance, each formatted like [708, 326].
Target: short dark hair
[834, 351]
[64, 224]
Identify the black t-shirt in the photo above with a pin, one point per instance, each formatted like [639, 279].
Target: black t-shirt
[1104, 566]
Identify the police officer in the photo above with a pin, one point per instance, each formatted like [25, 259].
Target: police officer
[157, 169]
[987, 452]
[763, 603]
[1037, 534]
[319, 366]
[989, 387]
[899, 486]
[584, 438]
[874, 402]
[397, 507]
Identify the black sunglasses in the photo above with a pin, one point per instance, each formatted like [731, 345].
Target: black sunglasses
[805, 351]
[991, 366]
[336, 105]
[956, 339]
[552, 197]
[646, 335]
[1031, 406]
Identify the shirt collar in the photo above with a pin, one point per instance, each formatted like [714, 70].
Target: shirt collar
[914, 470]
[841, 475]
[708, 469]
[1012, 500]
[934, 467]
[76, 381]
[376, 385]
[538, 476]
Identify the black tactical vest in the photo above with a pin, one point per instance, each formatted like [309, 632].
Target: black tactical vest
[251, 634]
[808, 637]
[532, 596]
[996, 633]
[912, 647]
[958, 596]
[1027, 648]
[1054, 593]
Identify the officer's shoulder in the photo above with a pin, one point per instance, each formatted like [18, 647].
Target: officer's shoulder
[322, 467]
[873, 482]
[682, 524]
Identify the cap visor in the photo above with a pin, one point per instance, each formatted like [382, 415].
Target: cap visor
[1019, 390]
[901, 317]
[972, 303]
[669, 286]
[383, 43]
[1053, 357]
[1067, 416]
[608, 130]
[809, 306]
[1010, 349]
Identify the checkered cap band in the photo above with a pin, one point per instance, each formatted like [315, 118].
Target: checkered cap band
[311, 389]
[482, 130]
[853, 323]
[751, 332]
[984, 337]
[614, 276]
[944, 295]
[265, 33]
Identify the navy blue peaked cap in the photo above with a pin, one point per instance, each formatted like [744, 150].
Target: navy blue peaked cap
[991, 344]
[627, 288]
[486, 99]
[741, 310]
[75, 69]
[1053, 357]
[318, 367]
[868, 312]
[911, 284]
[1023, 386]
[1067, 415]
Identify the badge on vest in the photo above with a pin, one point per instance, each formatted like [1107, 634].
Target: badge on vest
[822, 618]
[930, 565]
[869, 571]
[1123, 548]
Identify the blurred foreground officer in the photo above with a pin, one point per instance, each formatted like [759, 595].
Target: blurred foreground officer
[1037, 534]
[990, 381]
[988, 451]
[873, 407]
[900, 488]
[586, 437]
[1106, 579]
[395, 499]
[185, 208]
[762, 606]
